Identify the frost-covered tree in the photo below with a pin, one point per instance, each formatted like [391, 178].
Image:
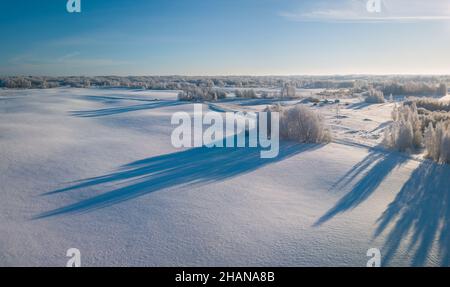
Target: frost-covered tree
[288, 91]
[399, 136]
[431, 142]
[405, 134]
[442, 90]
[437, 142]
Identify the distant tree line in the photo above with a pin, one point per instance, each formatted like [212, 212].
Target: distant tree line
[196, 93]
[285, 85]
[415, 89]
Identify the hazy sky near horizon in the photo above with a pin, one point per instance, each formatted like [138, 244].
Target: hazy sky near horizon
[224, 37]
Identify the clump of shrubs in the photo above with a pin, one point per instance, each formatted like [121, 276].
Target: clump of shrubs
[415, 128]
[302, 124]
[374, 97]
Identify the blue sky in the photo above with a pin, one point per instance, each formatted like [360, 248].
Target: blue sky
[224, 37]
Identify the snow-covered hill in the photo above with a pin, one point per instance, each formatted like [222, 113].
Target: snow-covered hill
[94, 169]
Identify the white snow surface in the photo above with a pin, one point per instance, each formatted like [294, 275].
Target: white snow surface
[94, 169]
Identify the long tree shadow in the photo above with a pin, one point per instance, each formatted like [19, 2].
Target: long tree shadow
[259, 102]
[114, 98]
[420, 213]
[191, 167]
[374, 169]
[125, 109]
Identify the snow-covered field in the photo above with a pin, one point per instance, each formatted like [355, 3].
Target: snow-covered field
[94, 169]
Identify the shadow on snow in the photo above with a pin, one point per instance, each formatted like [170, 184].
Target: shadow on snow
[420, 213]
[195, 166]
[373, 169]
[419, 216]
[125, 109]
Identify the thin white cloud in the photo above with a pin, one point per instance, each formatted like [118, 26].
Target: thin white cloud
[64, 65]
[67, 59]
[356, 11]
[68, 56]
[113, 39]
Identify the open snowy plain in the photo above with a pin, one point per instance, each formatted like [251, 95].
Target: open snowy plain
[94, 169]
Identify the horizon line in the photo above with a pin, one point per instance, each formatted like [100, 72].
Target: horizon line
[233, 75]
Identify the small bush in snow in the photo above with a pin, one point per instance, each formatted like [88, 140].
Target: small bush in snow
[301, 124]
[374, 97]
